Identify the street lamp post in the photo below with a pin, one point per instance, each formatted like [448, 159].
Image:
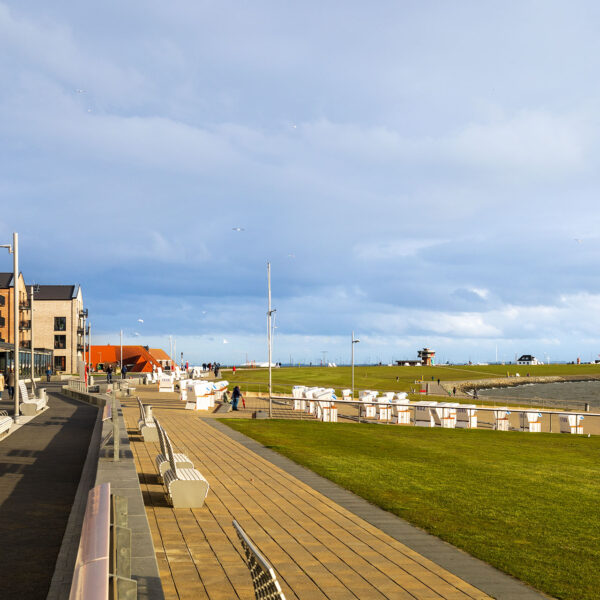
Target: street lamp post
[14, 250]
[354, 341]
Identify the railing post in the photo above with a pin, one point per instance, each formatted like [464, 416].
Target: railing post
[115, 421]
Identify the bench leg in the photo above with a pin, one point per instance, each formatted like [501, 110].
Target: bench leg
[188, 494]
[150, 434]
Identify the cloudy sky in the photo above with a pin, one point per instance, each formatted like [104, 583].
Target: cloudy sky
[423, 173]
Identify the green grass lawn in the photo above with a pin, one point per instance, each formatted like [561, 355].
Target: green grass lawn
[525, 503]
[384, 378]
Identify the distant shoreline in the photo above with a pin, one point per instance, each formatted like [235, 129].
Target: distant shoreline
[507, 382]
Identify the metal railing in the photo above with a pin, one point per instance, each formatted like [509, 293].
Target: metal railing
[551, 417]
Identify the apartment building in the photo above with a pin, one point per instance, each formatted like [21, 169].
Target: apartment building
[7, 326]
[58, 323]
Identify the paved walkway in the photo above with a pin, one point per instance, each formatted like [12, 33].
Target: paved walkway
[318, 548]
[40, 467]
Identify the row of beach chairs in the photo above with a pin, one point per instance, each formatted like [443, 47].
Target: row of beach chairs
[394, 407]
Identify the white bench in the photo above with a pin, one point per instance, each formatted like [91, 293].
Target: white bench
[186, 488]
[146, 424]
[6, 422]
[30, 406]
[162, 459]
[264, 579]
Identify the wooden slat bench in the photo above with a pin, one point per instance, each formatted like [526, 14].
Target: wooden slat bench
[146, 424]
[30, 406]
[162, 459]
[262, 573]
[186, 488]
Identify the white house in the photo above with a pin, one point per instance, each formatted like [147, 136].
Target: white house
[528, 359]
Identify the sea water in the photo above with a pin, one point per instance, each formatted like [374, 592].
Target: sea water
[568, 395]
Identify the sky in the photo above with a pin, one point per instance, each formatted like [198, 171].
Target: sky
[420, 173]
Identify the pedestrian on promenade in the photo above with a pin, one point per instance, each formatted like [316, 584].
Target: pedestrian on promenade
[438, 381]
[216, 370]
[48, 374]
[235, 398]
[109, 374]
[11, 384]
[233, 369]
[454, 391]
[123, 371]
[1, 384]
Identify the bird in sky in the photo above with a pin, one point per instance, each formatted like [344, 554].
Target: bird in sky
[291, 255]
[578, 240]
[238, 229]
[140, 320]
[81, 91]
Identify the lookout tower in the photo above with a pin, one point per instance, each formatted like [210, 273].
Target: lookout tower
[426, 355]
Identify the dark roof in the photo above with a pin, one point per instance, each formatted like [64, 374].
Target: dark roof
[54, 292]
[526, 358]
[5, 280]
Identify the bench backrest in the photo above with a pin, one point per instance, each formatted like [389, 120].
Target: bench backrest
[23, 390]
[169, 454]
[263, 576]
[161, 440]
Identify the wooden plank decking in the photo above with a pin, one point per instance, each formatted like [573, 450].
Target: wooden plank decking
[318, 548]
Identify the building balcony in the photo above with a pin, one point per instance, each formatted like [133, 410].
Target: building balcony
[24, 305]
[80, 329]
[25, 325]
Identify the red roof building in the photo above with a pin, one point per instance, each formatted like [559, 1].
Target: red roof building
[137, 359]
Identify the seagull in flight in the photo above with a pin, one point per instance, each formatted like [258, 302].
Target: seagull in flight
[81, 91]
[291, 255]
[238, 229]
[578, 240]
[140, 320]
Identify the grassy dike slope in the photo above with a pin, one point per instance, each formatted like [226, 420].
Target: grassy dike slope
[394, 379]
[525, 503]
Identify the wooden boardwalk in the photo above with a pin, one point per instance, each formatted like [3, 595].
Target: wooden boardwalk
[318, 549]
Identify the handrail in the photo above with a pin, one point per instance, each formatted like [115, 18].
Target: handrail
[91, 575]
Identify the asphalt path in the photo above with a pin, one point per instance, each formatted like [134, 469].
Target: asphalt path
[40, 468]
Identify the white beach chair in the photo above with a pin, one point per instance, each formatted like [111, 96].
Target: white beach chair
[466, 416]
[501, 419]
[425, 413]
[570, 423]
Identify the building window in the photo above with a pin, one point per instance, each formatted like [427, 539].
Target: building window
[60, 363]
[60, 342]
[60, 324]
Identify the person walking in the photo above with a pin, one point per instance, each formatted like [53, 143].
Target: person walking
[454, 391]
[235, 397]
[48, 374]
[11, 384]
[124, 372]
[109, 371]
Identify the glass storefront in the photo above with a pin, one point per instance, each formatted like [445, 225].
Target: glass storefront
[42, 359]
